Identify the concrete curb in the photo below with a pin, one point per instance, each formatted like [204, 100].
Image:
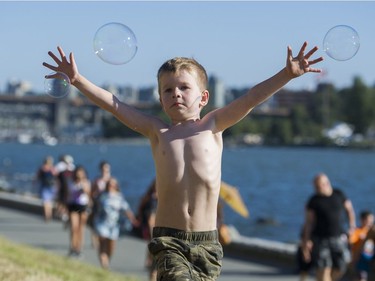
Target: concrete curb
[261, 250]
[20, 202]
[241, 247]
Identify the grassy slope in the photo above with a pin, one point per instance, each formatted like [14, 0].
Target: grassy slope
[24, 263]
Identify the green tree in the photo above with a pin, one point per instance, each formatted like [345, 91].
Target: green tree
[280, 132]
[358, 106]
[326, 105]
[299, 118]
[243, 127]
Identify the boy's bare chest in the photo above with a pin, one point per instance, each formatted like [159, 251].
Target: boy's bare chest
[188, 143]
[184, 147]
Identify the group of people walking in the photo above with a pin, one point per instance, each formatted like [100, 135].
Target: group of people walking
[80, 202]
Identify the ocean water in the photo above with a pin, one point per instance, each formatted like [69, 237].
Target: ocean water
[274, 183]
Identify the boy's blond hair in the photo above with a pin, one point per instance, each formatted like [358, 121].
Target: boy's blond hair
[182, 63]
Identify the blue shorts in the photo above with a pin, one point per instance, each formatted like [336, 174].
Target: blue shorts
[47, 194]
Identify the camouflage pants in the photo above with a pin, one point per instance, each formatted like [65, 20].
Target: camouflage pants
[183, 256]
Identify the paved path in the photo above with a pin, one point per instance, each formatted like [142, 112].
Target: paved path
[130, 252]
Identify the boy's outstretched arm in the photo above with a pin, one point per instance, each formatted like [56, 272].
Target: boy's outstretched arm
[128, 115]
[240, 107]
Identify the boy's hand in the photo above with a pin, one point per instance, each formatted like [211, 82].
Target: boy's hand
[299, 65]
[63, 65]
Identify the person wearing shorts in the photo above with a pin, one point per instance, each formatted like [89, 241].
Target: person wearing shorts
[332, 252]
[323, 234]
[77, 205]
[46, 177]
[111, 204]
[182, 255]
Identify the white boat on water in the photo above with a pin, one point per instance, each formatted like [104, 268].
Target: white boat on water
[25, 138]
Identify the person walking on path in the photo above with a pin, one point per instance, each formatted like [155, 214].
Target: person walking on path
[324, 236]
[110, 205]
[64, 170]
[100, 182]
[46, 177]
[187, 153]
[98, 186]
[78, 202]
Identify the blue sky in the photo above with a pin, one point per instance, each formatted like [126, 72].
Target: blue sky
[242, 42]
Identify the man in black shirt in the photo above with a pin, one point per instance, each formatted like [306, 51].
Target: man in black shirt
[324, 239]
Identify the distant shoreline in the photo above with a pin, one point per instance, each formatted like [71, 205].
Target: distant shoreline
[228, 142]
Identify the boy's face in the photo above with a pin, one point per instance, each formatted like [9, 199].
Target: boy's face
[180, 95]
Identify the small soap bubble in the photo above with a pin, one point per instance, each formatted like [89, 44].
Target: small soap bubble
[115, 43]
[58, 85]
[341, 42]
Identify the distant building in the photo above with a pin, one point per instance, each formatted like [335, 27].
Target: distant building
[129, 94]
[217, 91]
[18, 88]
[267, 106]
[26, 117]
[148, 95]
[286, 99]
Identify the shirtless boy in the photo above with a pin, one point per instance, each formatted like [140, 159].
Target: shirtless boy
[187, 154]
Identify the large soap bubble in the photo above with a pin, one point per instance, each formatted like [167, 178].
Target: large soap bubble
[58, 85]
[341, 42]
[115, 43]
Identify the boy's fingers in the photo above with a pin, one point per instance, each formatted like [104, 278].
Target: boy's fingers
[61, 51]
[302, 50]
[54, 68]
[316, 60]
[56, 59]
[311, 52]
[289, 52]
[71, 58]
[51, 76]
[314, 70]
